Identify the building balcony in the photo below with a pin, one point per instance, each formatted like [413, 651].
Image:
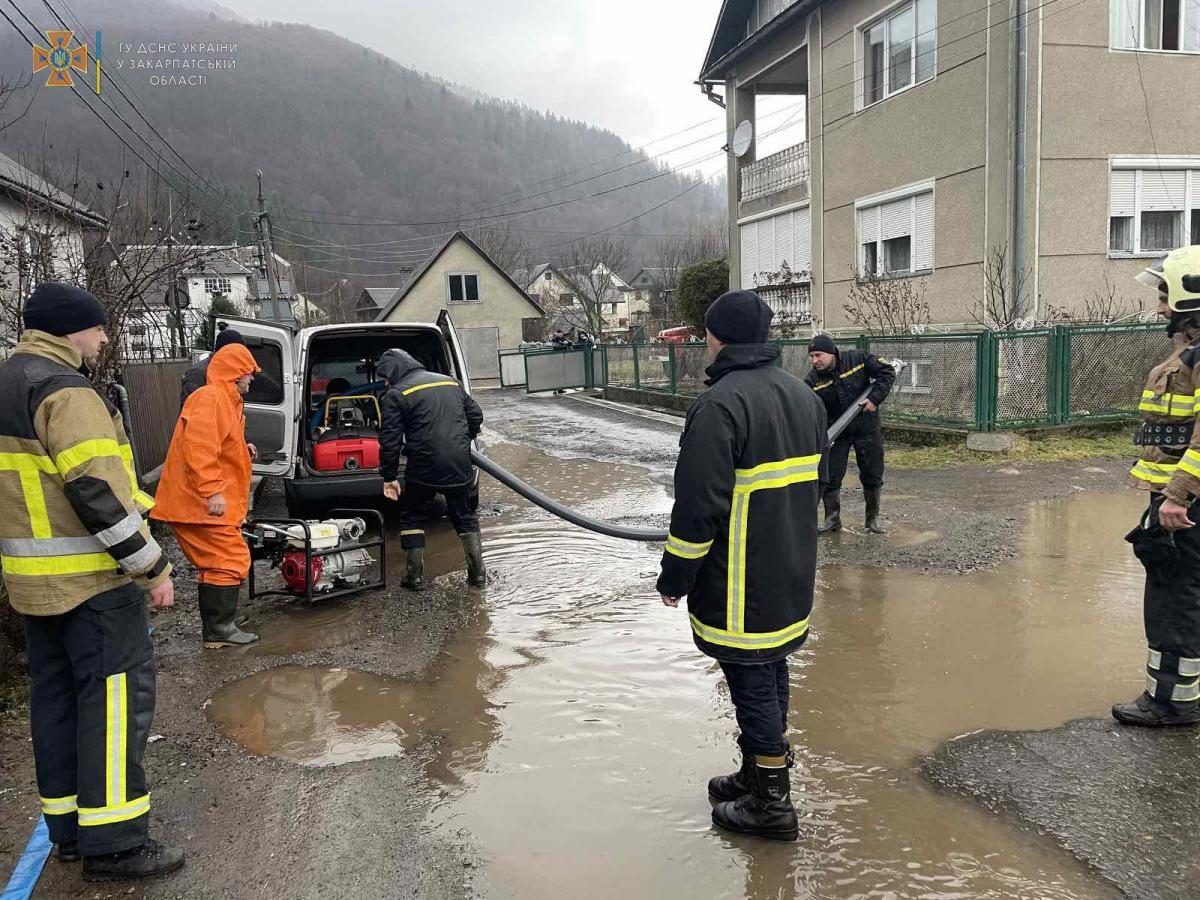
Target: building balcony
[791, 303]
[778, 172]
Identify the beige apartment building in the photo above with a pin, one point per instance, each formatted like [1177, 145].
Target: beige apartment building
[1057, 132]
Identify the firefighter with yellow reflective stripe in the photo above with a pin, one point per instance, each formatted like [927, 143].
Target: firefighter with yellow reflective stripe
[743, 547]
[430, 420]
[1167, 540]
[78, 560]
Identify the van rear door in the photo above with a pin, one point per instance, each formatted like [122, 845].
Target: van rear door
[446, 324]
[272, 404]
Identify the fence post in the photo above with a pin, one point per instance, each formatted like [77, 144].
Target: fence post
[863, 343]
[604, 351]
[1062, 373]
[671, 365]
[637, 374]
[985, 381]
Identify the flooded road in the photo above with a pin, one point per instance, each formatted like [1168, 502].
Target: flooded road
[570, 728]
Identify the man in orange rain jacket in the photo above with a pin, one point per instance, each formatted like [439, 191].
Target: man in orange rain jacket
[204, 491]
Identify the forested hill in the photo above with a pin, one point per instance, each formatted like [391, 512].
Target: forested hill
[338, 130]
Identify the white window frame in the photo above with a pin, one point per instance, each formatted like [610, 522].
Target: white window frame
[1115, 46]
[464, 276]
[860, 59]
[877, 201]
[212, 285]
[1147, 166]
[917, 377]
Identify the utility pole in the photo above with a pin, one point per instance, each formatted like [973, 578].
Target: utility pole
[178, 344]
[266, 253]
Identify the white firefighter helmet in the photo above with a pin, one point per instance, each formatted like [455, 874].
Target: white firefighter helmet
[1178, 276]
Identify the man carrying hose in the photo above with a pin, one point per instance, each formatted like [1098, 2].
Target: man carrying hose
[743, 547]
[839, 378]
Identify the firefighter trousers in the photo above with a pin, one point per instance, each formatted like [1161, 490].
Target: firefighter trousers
[91, 704]
[1171, 606]
[868, 453]
[759, 692]
[462, 508]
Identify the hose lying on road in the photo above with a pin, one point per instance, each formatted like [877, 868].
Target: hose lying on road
[625, 532]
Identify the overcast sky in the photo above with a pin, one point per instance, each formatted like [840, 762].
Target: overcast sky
[625, 65]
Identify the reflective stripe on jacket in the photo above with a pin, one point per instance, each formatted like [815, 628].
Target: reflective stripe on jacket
[855, 372]
[1172, 396]
[72, 526]
[743, 539]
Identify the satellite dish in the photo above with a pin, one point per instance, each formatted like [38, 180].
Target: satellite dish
[743, 138]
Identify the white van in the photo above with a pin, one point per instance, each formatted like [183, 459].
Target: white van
[289, 416]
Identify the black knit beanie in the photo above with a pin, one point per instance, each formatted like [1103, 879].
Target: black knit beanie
[823, 343]
[62, 309]
[739, 317]
[228, 336]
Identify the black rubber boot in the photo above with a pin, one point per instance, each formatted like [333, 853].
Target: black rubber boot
[729, 787]
[833, 514]
[218, 610]
[414, 574]
[68, 852]
[146, 861]
[473, 548]
[765, 812]
[874, 526]
[1150, 713]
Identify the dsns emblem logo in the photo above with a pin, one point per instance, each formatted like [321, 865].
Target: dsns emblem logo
[60, 59]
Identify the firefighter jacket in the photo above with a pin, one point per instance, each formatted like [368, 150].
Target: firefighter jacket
[1168, 407]
[429, 418]
[72, 526]
[743, 539]
[841, 388]
[208, 453]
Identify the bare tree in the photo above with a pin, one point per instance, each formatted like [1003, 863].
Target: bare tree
[587, 269]
[673, 255]
[890, 305]
[509, 249]
[1104, 305]
[1006, 295]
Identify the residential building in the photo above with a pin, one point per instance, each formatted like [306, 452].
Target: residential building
[43, 231]
[559, 292]
[959, 144]
[372, 301]
[488, 308]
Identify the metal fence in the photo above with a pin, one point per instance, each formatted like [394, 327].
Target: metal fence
[982, 381]
[154, 407]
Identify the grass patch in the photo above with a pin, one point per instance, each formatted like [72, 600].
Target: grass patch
[1059, 447]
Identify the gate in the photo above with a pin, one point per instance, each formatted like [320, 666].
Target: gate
[481, 346]
[558, 370]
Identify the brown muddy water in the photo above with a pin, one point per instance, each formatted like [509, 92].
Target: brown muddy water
[574, 725]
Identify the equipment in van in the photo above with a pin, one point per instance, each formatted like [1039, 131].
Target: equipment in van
[319, 559]
[349, 439]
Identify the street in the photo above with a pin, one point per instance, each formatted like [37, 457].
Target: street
[551, 735]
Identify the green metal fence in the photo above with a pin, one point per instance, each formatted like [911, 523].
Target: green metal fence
[983, 381]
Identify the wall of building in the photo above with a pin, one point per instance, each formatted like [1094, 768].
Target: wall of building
[500, 304]
[239, 292]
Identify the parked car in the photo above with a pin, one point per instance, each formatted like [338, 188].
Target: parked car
[680, 335]
[290, 418]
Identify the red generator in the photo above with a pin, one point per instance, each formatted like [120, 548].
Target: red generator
[348, 442]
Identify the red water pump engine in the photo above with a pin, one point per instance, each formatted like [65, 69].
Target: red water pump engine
[330, 570]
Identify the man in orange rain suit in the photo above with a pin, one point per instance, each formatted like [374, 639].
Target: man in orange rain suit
[204, 491]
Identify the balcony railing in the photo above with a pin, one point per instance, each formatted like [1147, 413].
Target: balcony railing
[790, 302]
[777, 172]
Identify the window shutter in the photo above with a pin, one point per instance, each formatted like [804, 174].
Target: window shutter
[896, 219]
[803, 239]
[1163, 190]
[766, 245]
[923, 236]
[785, 248]
[868, 225]
[749, 248]
[1121, 192]
[1194, 188]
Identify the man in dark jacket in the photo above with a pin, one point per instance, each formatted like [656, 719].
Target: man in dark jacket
[839, 378]
[743, 547]
[429, 418]
[197, 376]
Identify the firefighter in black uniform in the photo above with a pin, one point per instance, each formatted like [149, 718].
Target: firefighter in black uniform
[1168, 540]
[743, 547]
[839, 377]
[429, 418]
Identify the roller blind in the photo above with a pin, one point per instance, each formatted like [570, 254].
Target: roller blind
[1121, 192]
[1163, 190]
[923, 232]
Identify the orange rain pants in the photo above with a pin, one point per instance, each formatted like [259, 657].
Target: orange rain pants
[218, 552]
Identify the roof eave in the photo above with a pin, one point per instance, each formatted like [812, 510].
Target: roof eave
[716, 72]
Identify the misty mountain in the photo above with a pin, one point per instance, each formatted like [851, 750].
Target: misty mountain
[340, 132]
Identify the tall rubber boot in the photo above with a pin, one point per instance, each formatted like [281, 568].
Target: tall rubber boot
[833, 513]
[765, 812]
[414, 574]
[218, 610]
[473, 548]
[729, 787]
[874, 526]
[146, 861]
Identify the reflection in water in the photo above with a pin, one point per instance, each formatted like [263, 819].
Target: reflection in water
[610, 738]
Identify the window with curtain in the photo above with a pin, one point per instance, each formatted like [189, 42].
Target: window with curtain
[1172, 25]
[1152, 211]
[895, 236]
[898, 50]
